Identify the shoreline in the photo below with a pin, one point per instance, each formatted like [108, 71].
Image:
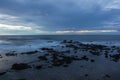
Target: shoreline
[64, 56]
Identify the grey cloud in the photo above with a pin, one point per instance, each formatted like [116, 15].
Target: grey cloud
[62, 14]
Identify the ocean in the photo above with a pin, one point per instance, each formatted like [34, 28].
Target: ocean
[83, 38]
[62, 37]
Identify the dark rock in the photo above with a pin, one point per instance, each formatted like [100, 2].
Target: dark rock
[20, 66]
[64, 41]
[11, 54]
[39, 67]
[50, 67]
[107, 76]
[2, 73]
[86, 75]
[56, 61]
[81, 66]
[65, 65]
[72, 46]
[106, 54]
[1, 56]
[92, 60]
[46, 54]
[49, 49]
[31, 52]
[115, 57]
[43, 58]
[95, 53]
[85, 58]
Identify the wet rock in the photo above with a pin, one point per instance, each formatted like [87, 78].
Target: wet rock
[59, 61]
[72, 46]
[67, 60]
[47, 54]
[64, 41]
[67, 51]
[48, 49]
[81, 66]
[39, 67]
[67, 41]
[75, 58]
[106, 55]
[95, 53]
[92, 60]
[115, 57]
[63, 46]
[20, 66]
[86, 75]
[107, 76]
[2, 73]
[30, 52]
[43, 58]
[70, 41]
[118, 50]
[1, 56]
[75, 51]
[85, 58]
[113, 46]
[11, 54]
[65, 65]
[50, 67]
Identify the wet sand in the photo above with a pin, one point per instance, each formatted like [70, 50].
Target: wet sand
[68, 60]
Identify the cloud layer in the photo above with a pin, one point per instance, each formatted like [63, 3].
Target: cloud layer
[51, 16]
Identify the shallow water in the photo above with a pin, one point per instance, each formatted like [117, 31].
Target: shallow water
[77, 70]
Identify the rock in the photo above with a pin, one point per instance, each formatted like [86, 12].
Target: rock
[115, 57]
[65, 65]
[81, 66]
[106, 55]
[11, 54]
[107, 76]
[2, 73]
[85, 58]
[48, 49]
[64, 41]
[1, 56]
[97, 53]
[50, 67]
[31, 52]
[92, 60]
[20, 66]
[39, 67]
[43, 58]
[86, 75]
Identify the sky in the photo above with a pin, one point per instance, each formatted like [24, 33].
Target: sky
[38, 17]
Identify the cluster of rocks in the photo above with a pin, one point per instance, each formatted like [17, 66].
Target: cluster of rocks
[58, 58]
[95, 49]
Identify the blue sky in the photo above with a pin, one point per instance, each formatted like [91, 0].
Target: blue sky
[27, 17]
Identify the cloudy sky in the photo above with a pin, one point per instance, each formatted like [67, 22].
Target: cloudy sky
[59, 17]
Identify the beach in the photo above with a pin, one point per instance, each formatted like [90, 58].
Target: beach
[31, 58]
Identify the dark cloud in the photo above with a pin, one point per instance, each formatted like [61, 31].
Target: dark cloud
[63, 14]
